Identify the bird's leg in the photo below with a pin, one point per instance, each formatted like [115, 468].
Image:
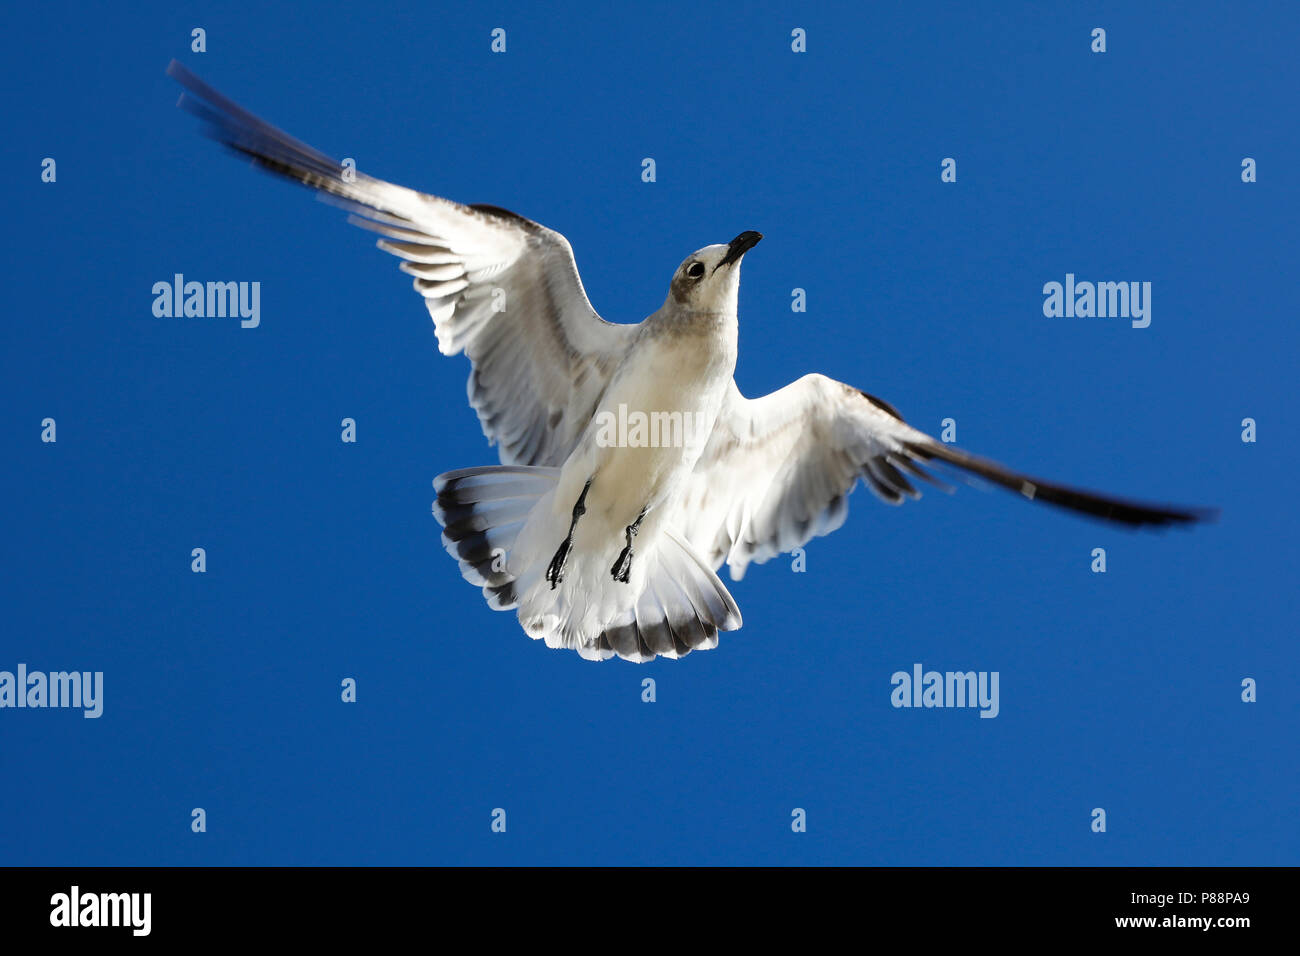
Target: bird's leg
[623, 566]
[555, 572]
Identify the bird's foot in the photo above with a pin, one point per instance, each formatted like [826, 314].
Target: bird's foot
[622, 568]
[555, 570]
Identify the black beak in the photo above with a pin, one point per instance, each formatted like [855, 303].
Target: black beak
[738, 247]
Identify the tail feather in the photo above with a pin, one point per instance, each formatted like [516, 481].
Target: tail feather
[681, 609]
[704, 588]
[482, 511]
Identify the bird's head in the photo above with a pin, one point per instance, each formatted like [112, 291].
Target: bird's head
[708, 280]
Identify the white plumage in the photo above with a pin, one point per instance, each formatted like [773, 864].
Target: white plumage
[610, 548]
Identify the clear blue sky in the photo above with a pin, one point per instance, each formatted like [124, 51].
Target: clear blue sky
[1118, 690]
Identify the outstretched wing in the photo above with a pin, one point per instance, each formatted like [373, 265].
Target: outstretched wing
[777, 472]
[500, 288]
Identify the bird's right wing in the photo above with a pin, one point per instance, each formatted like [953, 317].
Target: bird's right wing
[777, 471]
[500, 288]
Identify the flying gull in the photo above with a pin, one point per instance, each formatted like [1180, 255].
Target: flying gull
[605, 538]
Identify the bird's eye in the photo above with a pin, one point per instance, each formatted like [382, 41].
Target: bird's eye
[695, 270]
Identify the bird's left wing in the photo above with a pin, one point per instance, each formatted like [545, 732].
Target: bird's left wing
[500, 288]
[777, 471]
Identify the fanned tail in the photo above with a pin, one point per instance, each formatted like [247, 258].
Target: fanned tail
[482, 511]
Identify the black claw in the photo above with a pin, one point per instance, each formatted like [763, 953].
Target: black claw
[622, 568]
[555, 570]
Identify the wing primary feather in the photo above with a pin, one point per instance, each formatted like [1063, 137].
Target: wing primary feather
[1133, 513]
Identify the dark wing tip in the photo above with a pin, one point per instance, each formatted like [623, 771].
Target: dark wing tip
[881, 404]
[245, 133]
[1132, 513]
[506, 214]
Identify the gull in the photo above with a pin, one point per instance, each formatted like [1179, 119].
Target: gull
[604, 538]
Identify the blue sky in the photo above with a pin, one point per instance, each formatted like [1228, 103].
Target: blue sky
[1118, 690]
